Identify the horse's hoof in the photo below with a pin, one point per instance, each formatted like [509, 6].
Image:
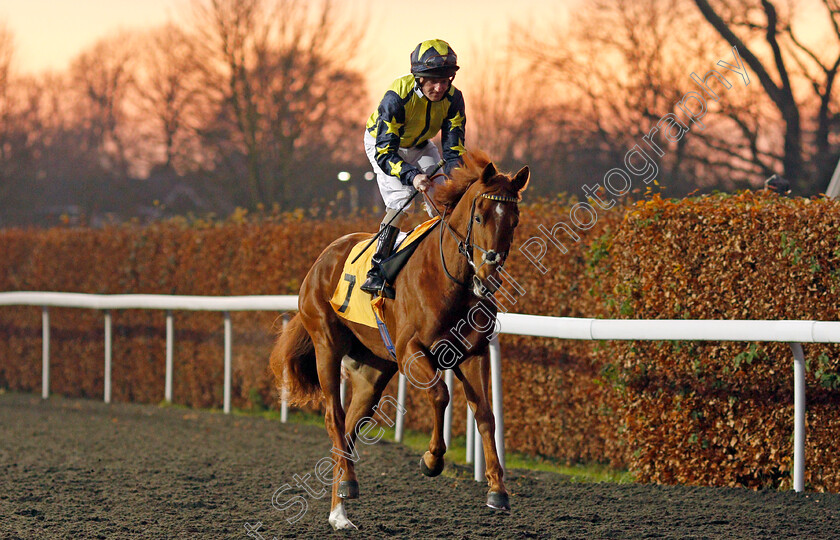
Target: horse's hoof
[348, 489]
[498, 501]
[431, 472]
[338, 518]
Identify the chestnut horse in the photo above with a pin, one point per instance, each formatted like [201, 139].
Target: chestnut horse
[442, 281]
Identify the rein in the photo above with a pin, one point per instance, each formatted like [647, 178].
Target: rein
[465, 245]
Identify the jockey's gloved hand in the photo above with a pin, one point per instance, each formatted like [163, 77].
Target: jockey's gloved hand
[422, 182]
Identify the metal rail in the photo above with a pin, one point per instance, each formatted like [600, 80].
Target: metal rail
[793, 332]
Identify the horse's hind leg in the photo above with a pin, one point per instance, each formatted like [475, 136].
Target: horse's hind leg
[331, 342]
[474, 373]
[368, 377]
[344, 475]
[367, 382]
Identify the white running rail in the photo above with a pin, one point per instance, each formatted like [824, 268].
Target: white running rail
[793, 332]
[108, 302]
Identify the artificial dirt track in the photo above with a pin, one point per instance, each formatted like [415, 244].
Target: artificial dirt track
[83, 469]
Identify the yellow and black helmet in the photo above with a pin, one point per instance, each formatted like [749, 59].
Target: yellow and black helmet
[434, 58]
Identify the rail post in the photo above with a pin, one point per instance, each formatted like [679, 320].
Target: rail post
[798, 417]
[470, 432]
[170, 342]
[108, 354]
[398, 430]
[447, 415]
[228, 361]
[45, 352]
[284, 403]
[496, 388]
[478, 445]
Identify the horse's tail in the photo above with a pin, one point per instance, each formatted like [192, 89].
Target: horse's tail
[294, 366]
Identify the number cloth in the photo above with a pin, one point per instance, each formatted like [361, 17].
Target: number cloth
[348, 300]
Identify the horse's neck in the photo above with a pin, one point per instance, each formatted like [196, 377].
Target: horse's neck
[456, 264]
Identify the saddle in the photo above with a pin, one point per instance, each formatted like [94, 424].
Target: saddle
[353, 304]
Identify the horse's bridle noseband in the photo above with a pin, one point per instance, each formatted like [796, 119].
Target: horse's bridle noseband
[465, 245]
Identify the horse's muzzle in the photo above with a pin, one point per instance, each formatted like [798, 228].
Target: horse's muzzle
[480, 289]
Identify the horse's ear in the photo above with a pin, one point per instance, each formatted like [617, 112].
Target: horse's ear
[520, 180]
[488, 172]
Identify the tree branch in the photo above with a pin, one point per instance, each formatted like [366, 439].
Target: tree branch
[772, 22]
[755, 64]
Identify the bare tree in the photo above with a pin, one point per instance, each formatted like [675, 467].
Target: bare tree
[789, 58]
[619, 70]
[6, 54]
[168, 93]
[287, 93]
[503, 112]
[100, 78]
[41, 162]
[16, 153]
[7, 49]
[626, 63]
[518, 122]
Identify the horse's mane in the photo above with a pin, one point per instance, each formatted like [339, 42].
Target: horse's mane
[449, 193]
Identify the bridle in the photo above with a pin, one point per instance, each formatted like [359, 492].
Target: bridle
[465, 245]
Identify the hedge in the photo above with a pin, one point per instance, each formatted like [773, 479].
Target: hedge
[701, 413]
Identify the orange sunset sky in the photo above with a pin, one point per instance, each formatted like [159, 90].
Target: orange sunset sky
[49, 33]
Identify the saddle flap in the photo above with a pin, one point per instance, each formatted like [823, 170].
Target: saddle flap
[348, 300]
[391, 266]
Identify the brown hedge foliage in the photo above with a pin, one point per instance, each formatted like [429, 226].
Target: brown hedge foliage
[722, 413]
[688, 412]
[197, 258]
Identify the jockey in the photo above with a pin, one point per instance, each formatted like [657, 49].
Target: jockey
[397, 139]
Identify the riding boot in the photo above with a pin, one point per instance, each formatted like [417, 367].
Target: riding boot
[375, 282]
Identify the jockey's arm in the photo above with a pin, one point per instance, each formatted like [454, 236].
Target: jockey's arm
[390, 128]
[452, 135]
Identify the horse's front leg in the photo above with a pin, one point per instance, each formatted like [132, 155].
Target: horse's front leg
[474, 373]
[419, 371]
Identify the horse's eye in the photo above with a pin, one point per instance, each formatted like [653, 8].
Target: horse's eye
[478, 219]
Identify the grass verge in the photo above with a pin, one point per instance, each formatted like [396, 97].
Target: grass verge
[457, 453]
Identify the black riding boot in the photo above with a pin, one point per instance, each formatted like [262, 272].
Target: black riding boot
[375, 282]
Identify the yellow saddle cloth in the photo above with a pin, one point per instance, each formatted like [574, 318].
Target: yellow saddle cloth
[348, 300]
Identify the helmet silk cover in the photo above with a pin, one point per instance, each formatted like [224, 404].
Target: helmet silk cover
[434, 58]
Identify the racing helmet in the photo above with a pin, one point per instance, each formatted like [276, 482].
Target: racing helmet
[434, 58]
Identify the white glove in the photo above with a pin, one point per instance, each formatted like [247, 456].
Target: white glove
[422, 182]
